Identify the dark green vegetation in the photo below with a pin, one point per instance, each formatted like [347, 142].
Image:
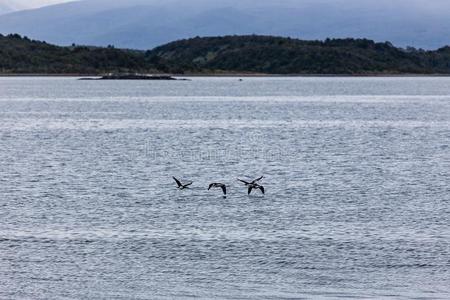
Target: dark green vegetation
[22, 55]
[274, 55]
[230, 54]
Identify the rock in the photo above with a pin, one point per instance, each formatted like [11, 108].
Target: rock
[133, 77]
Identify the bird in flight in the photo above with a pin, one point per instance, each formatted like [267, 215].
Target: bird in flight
[182, 186]
[255, 186]
[251, 182]
[218, 185]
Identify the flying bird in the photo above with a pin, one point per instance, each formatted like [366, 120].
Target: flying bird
[255, 186]
[182, 186]
[218, 185]
[251, 182]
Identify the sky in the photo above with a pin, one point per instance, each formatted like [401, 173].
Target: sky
[26, 4]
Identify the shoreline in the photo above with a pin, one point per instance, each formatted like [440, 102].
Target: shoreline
[243, 75]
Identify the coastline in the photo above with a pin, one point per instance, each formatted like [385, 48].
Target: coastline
[238, 75]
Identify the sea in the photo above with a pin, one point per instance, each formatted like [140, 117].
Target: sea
[356, 177]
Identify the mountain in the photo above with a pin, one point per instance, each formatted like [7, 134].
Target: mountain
[229, 54]
[144, 24]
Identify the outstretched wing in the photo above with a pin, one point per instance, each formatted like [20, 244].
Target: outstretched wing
[210, 186]
[177, 181]
[224, 189]
[258, 179]
[188, 184]
[250, 188]
[262, 189]
[243, 181]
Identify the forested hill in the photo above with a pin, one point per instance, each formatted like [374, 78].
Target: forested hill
[275, 55]
[230, 54]
[22, 55]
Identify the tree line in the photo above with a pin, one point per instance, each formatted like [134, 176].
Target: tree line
[228, 54]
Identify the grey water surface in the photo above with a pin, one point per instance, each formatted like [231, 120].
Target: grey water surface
[357, 179]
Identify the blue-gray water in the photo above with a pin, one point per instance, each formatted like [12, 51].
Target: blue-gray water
[357, 178]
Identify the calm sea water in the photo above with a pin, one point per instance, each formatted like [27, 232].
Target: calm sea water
[357, 178]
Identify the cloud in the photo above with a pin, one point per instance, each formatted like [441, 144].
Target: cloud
[27, 4]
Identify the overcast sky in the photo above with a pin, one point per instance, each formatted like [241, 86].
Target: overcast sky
[23, 4]
[425, 4]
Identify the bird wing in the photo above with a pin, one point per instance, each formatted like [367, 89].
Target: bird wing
[210, 186]
[188, 184]
[262, 189]
[177, 181]
[224, 189]
[258, 179]
[250, 188]
[243, 181]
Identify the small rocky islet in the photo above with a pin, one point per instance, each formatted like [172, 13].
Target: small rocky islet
[132, 77]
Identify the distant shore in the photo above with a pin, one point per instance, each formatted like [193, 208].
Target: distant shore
[225, 56]
[234, 75]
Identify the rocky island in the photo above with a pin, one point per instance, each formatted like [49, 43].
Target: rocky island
[132, 77]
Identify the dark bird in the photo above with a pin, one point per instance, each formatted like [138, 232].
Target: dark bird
[182, 186]
[218, 185]
[255, 186]
[252, 182]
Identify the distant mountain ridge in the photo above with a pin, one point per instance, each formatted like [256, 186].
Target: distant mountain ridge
[144, 24]
[250, 54]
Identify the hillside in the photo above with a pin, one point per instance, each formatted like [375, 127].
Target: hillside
[144, 24]
[230, 54]
[275, 55]
[22, 55]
